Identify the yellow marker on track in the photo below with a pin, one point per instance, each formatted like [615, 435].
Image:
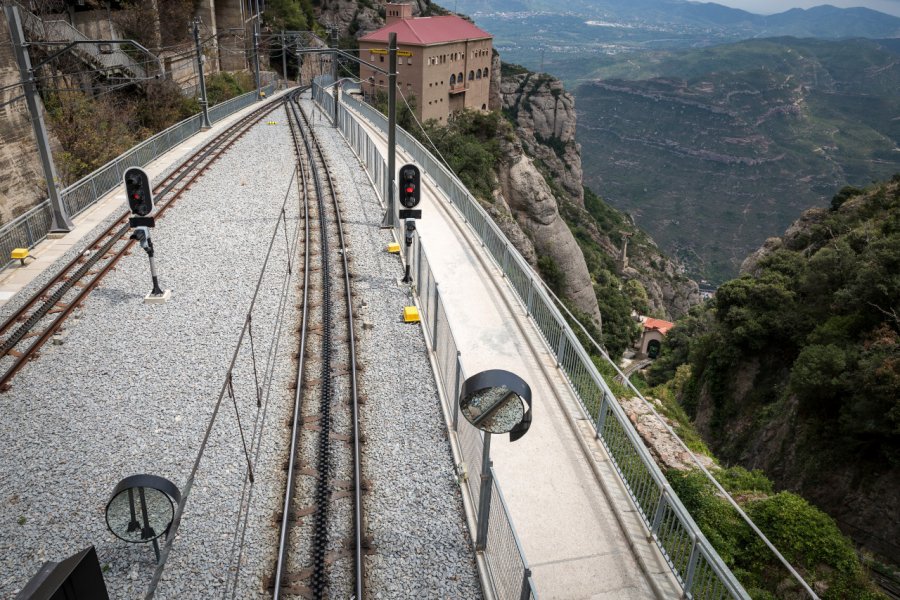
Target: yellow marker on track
[410, 314]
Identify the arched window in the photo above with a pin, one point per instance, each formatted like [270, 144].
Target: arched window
[485, 71]
[471, 75]
[478, 74]
[460, 78]
[453, 80]
[484, 107]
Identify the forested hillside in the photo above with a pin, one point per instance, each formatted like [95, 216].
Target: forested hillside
[736, 141]
[795, 366]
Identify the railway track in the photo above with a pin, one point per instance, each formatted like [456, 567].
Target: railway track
[36, 321]
[320, 551]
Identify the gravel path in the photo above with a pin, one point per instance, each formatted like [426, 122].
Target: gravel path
[132, 388]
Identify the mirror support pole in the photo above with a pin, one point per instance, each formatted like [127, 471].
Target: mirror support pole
[484, 498]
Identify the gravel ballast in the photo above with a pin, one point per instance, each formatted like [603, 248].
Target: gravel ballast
[132, 388]
[414, 512]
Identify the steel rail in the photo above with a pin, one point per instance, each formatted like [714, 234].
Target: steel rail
[40, 304]
[281, 561]
[354, 400]
[309, 140]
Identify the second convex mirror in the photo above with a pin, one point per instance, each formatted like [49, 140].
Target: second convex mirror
[497, 401]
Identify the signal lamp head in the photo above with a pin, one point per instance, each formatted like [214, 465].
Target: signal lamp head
[410, 193]
[138, 191]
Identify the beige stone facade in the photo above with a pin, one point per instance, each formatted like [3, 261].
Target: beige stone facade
[444, 77]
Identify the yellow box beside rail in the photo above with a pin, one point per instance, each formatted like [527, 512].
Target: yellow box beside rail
[20, 254]
[393, 248]
[410, 314]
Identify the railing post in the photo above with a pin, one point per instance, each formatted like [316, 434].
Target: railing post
[529, 302]
[692, 566]
[526, 585]
[435, 320]
[28, 233]
[561, 347]
[660, 511]
[484, 500]
[456, 392]
[419, 266]
[601, 415]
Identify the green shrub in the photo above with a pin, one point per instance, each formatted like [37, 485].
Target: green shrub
[737, 480]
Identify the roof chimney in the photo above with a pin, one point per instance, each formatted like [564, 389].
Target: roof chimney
[394, 12]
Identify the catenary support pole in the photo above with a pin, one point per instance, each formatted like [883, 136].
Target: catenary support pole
[284, 58]
[256, 52]
[60, 222]
[334, 76]
[390, 218]
[204, 103]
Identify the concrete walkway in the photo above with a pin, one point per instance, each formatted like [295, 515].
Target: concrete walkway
[15, 277]
[580, 532]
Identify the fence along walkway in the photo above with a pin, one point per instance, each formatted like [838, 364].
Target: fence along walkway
[692, 560]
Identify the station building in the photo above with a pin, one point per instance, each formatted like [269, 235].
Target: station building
[445, 62]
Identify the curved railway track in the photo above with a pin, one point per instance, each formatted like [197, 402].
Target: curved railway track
[35, 322]
[320, 550]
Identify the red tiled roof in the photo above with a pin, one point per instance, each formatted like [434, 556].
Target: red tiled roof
[658, 324]
[425, 31]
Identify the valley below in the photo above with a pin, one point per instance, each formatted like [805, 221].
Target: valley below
[734, 142]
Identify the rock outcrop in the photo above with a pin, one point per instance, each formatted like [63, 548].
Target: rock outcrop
[544, 116]
[351, 16]
[665, 448]
[545, 122]
[525, 192]
[22, 185]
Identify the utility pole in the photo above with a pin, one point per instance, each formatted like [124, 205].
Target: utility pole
[256, 52]
[204, 103]
[390, 218]
[60, 222]
[284, 57]
[334, 74]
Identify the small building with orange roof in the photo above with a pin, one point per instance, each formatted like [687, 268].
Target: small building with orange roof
[654, 332]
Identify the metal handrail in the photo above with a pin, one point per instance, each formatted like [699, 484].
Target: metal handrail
[690, 562]
[59, 30]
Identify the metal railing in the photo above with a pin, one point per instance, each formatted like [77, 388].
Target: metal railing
[30, 228]
[507, 566]
[694, 562]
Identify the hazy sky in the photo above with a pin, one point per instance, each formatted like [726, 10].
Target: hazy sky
[765, 7]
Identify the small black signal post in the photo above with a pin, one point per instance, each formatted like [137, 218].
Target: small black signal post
[140, 201]
[410, 195]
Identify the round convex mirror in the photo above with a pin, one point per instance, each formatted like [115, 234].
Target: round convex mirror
[495, 410]
[141, 508]
[497, 401]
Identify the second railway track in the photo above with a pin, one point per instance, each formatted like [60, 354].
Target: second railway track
[39, 317]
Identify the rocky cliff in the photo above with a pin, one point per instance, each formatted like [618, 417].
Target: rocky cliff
[544, 116]
[22, 184]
